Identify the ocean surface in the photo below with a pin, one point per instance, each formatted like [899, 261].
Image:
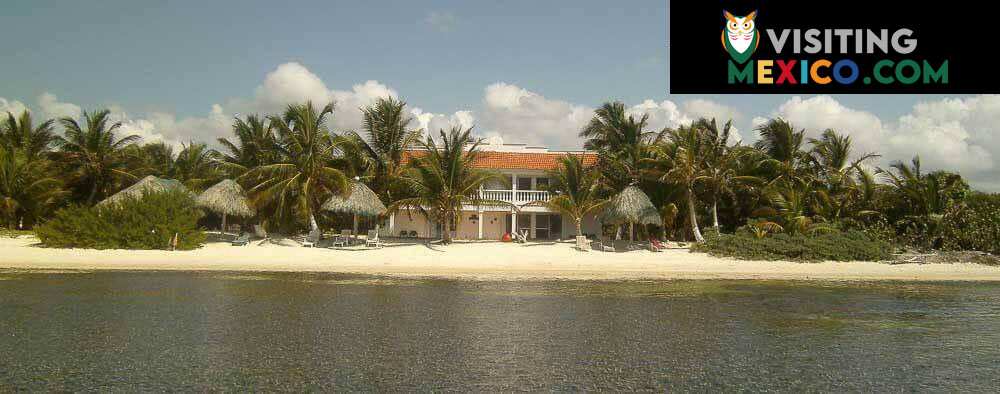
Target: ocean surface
[184, 331]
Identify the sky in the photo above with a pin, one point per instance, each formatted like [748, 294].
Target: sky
[524, 71]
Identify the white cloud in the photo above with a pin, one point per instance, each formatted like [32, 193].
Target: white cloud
[701, 108]
[950, 134]
[13, 106]
[519, 115]
[432, 123]
[53, 108]
[443, 22]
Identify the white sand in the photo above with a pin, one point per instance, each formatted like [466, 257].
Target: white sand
[473, 260]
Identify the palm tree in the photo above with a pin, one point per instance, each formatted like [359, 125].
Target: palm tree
[443, 180]
[93, 154]
[19, 133]
[387, 136]
[255, 145]
[575, 190]
[620, 140]
[304, 178]
[922, 195]
[26, 192]
[195, 166]
[789, 164]
[844, 184]
[721, 176]
[682, 161]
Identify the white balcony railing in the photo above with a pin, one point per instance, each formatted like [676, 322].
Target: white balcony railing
[518, 197]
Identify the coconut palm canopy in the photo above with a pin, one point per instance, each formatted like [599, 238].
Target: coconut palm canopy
[631, 206]
[361, 201]
[149, 184]
[226, 197]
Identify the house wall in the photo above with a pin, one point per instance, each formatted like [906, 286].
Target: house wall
[414, 221]
[589, 225]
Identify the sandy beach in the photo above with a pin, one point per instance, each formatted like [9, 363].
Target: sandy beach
[472, 260]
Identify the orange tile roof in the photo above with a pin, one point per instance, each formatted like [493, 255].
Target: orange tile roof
[516, 160]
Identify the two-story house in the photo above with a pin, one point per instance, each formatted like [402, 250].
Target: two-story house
[525, 168]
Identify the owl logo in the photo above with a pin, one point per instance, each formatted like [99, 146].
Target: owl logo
[740, 37]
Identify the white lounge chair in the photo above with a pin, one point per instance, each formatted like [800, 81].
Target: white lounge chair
[607, 245]
[342, 239]
[312, 239]
[372, 240]
[521, 236]
[242, 240]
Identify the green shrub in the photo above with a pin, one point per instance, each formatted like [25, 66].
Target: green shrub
[974, 226]
[841, 246]
[149, 222]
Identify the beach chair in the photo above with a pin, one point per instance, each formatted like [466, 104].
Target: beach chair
[346, 234]
[311, 239]
[402, 233]
[372, 240]
[606, 245]
[522, 236]
[413, 233]
[242, 240]
[340, 240]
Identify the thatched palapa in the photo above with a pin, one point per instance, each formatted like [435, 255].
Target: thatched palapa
[149, 184]
[631, 206]
[361, 201]
[226, 198]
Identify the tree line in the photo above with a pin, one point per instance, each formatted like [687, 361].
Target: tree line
[291, 162]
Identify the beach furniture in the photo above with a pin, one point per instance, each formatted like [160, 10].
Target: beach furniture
[311, 239]
[656, 246]
[242, 240]
[340, 240]
[606, 244]
[346, 234]
[413, 233]
[402, 233]
[522, 236]
[372, 240]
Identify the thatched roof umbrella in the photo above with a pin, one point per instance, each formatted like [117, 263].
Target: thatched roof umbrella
[149, 184]
[631, 206]
[227, 198]
[361, 201]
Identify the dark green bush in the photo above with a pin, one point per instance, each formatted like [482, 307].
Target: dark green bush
[149, 222]
[841, 246]
[974, 226]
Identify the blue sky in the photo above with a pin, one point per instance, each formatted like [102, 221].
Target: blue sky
[527, 71]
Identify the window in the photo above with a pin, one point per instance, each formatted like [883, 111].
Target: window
[524, 183]
[541, 183]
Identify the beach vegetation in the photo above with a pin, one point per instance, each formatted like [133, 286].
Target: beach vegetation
[157, 220]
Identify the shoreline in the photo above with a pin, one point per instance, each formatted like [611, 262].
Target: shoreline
[473, 261]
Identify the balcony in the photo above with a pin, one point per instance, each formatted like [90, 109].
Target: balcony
[518, 197]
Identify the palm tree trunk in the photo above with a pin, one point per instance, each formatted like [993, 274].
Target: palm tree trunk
[223, 224]
[693, 218]
[579, 228]
[93, 193]
[355, 233]
[313, 226]
[631, 231]
[715, 215]
[446, 229]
